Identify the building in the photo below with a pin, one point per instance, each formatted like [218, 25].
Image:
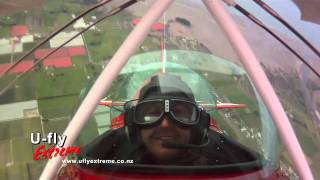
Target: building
[61, 58]
[60, 38]
[20, 68]
[19, 110]
[19, 30]
[58, 62]
[155, 26]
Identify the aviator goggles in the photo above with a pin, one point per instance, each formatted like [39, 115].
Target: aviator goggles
[151, 111]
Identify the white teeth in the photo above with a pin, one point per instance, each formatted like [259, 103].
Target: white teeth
[165, 137]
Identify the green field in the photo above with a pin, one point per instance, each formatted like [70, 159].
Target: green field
[57, 90]
[102, 45]
[229, 90]
[16, 151]
[5, 31]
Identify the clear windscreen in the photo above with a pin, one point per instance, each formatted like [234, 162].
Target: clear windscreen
[220, 88]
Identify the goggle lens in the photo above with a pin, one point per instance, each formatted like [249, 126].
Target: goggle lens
[148, 112]
[151, 111]
[184, 112]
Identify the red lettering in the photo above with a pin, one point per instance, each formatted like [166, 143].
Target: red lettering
[62, 151]
[57, 150]
[51, 150]
[38, 153]
[54, 152]
[77, 150]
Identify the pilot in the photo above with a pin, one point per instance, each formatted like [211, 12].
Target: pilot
[168, 122]
[165, 126]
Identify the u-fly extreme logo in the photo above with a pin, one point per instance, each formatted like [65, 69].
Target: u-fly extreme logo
[57, 149]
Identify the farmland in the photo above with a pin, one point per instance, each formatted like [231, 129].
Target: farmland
[56, 90]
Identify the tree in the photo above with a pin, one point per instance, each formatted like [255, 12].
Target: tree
[183, 21]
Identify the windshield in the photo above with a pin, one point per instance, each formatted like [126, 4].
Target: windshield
[221, 88]
[236, 134]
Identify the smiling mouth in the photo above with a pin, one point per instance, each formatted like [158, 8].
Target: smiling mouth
[164, 138]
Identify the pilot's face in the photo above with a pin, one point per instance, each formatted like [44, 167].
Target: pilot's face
[166, 131]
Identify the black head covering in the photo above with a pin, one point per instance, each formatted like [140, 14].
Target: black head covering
[169, 86]
[166, 86]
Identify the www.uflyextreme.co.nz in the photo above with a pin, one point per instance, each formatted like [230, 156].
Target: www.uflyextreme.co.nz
[96, 161]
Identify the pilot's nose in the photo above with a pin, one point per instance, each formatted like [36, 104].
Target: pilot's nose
[165, 122]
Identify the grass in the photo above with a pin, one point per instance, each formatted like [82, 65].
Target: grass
[117, 91]
[309, 145]
[18, 171]
[57, 106]
[57, 94]
[60, 82]
[150, 45]
[16, 135]
[17, 142]
[5, 31]
[23, 89]
[93, 70]
[80, 61]
[102, 45]
[11, 129]
[59, 12]
[229, 90]
[24, 144]
[35, 169]
[42, 86]
[4, 153]
[31, 125]
[61, 6]
[6, 58]
[19, 128]
[3, 172]
[307, 133]
[4, 131]
[28, 46]
[57, 126]
[16, 129]
[226, 86]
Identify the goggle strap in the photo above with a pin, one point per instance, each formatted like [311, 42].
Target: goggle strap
[166, 105]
